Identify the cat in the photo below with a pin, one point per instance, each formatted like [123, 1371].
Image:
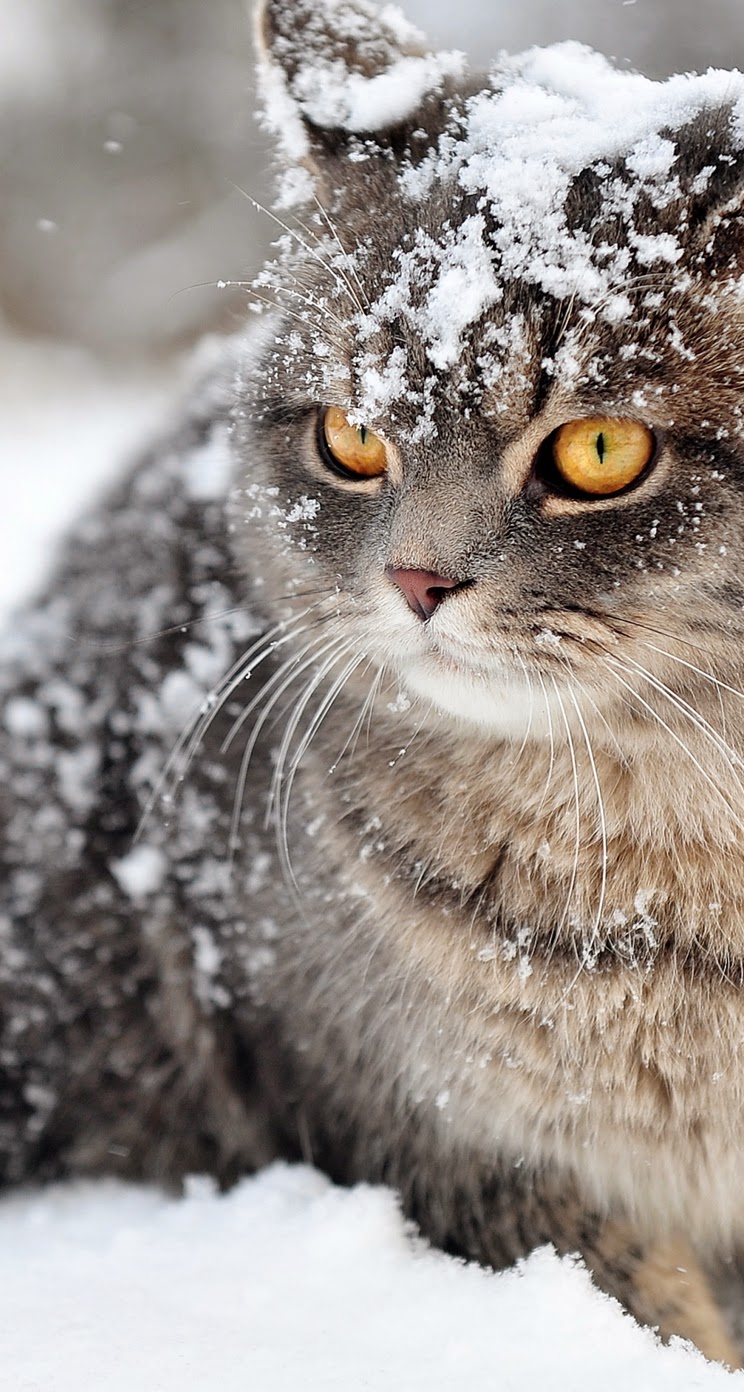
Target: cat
[371, 772]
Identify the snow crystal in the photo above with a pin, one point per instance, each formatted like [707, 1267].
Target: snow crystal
[660, 247]
[401, 703]
[209, 469]
[76, 773]
[141, 872]
[179, 698]
[304, 510]
[331, 96]
[25, 719]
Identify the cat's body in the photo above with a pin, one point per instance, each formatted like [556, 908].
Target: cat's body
[471, 921]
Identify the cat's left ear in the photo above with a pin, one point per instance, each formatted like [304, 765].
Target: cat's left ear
[341, 78]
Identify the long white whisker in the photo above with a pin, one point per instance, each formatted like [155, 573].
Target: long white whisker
[600, 716]
[602, 819]
[353, 738]
[291, 232]
[531, 711]
[209, 707]
[551, 736]
[707, 676]
[275, 677]
[338, 649]
[296, 670]
[303, 319]
[655, 715]
[311, 301]
[577, 803]
[690, 714]
[348, 257]
[318, 719]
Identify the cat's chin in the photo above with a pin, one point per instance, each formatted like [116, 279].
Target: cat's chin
[494, 701]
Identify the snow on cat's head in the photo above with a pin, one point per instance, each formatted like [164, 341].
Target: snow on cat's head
[506, 353]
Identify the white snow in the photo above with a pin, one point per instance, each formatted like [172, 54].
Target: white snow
[329, 93]
[141, 872]
[552, 112]
[289, 1283]
[356, 103]
[209, 469]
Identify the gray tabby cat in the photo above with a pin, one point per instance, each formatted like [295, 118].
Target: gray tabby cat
[371, 771]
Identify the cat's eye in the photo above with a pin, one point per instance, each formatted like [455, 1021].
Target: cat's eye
[351, 450]
[600, 456]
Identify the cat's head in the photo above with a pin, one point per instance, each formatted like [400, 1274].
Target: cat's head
[495, 420]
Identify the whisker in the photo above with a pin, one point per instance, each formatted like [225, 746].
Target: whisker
[291, 232]
[276, 676]
[622, 755]
[662, 633]
[577, 804]
[602, 821]
[310, 300]
[551, 737]
[209, 707]
[707, 676]
[320, 715]
[337, 649]
[302, 319]
[333, 267]
[530, 713]
[690, 713]
[349, 258]
[655, 716]
[296, 670]
[365, 712]
[110, 649]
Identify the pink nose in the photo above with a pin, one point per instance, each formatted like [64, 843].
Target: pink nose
[423, 590]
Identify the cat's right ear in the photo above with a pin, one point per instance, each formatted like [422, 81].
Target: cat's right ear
[345, 79]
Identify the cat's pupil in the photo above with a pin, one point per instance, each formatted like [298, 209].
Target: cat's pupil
[601, 447]
[363, 432]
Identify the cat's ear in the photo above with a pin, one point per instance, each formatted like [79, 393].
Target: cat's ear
[342, 76]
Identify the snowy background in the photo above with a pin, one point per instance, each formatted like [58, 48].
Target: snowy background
[124, 131]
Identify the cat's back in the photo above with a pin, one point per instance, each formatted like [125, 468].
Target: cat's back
[106, 1051]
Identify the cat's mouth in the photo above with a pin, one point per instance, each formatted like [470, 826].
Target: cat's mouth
[471, 686]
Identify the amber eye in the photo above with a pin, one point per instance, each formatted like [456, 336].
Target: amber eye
[351, 449]
[600, 455]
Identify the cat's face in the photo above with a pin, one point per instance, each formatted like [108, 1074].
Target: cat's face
[496, 422]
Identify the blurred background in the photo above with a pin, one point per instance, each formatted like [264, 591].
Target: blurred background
[127, 145]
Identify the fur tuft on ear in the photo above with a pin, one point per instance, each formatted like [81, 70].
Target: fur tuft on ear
[718, 193]
[332, 70]
[725, 242]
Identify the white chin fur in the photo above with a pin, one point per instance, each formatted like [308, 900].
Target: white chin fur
[497, 703]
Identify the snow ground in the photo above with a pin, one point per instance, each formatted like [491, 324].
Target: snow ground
[287, 1282]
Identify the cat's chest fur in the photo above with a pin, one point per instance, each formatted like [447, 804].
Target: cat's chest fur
[429, 977]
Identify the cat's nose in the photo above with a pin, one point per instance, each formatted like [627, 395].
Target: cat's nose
[423, 590]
